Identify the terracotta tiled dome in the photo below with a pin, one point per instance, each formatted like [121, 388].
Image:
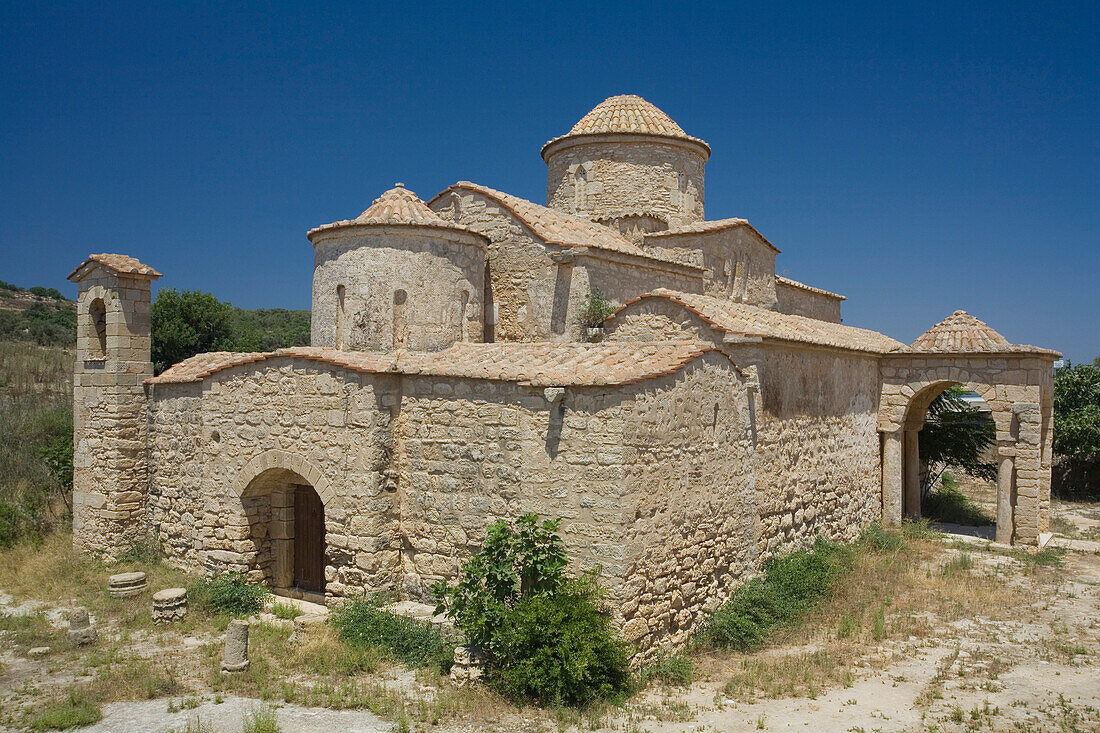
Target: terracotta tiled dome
[960, 332]
[627, 113]
[399, 205]
[631, 115]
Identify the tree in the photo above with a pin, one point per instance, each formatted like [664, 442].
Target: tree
[955, 434]
[1077, 413]
[185, 323]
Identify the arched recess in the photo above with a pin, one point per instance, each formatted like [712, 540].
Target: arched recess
[285, 500]
[913, 422]
[95, 310]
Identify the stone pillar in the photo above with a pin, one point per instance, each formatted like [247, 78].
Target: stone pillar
[911, 463]
[1028, 462]
[892, 450]
[110, 404]
[1006, 469]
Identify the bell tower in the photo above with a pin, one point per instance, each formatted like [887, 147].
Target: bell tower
[110, 405]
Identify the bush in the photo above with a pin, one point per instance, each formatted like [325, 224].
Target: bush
[542, 634]
[365, 623]
[559, 648]
[230, 594]
[790, 586]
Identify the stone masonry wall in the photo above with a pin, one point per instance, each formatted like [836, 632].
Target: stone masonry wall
[326, 427]
[534, 297]
[738, 264]
[623, 178]
[800, 302]
[440, 272]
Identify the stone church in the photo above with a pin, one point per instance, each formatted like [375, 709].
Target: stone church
[722, 414]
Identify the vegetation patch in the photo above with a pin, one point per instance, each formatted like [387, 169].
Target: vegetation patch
[790, 586]
[544, 635]
[947, 503]
[74, 710]
[365, 623]
[232, 594]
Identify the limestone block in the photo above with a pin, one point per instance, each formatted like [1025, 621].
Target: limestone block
[169, 605]
[81, 632]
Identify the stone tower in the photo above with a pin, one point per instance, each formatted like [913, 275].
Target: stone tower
[110, 429]
[626, 164]
[398, 276]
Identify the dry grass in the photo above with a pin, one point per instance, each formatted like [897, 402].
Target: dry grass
[890, 595]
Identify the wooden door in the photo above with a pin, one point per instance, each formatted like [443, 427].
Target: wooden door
[309, 540]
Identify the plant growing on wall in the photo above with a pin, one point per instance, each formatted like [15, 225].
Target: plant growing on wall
[596, 309]
[541, 632]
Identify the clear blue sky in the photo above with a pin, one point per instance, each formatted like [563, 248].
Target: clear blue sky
[917, 158]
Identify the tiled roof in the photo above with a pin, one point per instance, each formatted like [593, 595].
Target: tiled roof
[704, 227]
[562, 229]
[533, 364]
[119, 263]
[398, 206]
[808, 288]
[627, 114]
[962, 333]
[737, 318]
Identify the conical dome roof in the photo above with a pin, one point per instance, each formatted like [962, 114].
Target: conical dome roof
[961, 332]
[631, 115]
[398, 206]
[627, 113]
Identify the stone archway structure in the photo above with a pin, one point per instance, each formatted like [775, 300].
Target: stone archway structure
[269, 488]
[1017, 383]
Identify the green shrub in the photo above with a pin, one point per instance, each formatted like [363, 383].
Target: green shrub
[559, 648]
[231, 594]
[543, 635]
[596, 309]
[261, 720]
[365, 623]
[790, 586]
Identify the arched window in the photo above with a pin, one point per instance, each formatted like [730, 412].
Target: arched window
[580, 181]
[463, 301]
[340, 292]
[399, 326]
[97, 329]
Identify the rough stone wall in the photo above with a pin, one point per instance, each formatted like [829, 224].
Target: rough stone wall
[535, 298]
[816, 443]
[441, 274]
[304, 422]
[110, 412]
[800, 302]
[623, 180]
[738, 264]
[690, 504]
[814, 426]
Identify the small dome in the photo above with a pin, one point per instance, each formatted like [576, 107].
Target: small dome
[960, 332]
[628, 114]
[399, 205]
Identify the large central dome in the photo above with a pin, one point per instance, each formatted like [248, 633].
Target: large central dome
[627, 113]
[626, 164]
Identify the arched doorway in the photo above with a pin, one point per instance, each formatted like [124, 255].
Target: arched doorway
[286, 526]
[950, 459]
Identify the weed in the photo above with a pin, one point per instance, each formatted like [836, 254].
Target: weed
[365, 623]
[961, 562]
[230, 594]
[261, 720]
[286, 611]
[74, 710]
[673, 669]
